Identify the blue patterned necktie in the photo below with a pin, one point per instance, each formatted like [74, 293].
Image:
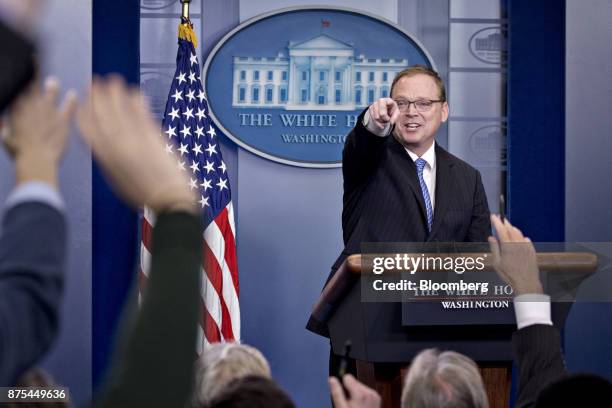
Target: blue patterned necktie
[420, 163]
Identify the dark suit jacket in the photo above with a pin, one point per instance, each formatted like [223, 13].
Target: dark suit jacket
[537, 352]
[383, 201]
[32, 257]
[154, 364]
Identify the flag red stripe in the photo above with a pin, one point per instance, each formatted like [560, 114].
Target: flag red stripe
[222, 222]
[147, 234]
[214, 273]
[211, 331]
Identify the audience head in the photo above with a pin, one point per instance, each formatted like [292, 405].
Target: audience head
[578, 390]
[222, 363]
[443, 380]
[252, 392]
[37, 377]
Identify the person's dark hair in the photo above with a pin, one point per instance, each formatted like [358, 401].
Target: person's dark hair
[252, 392]
[37, 377]
[422, 70]
[577, 390]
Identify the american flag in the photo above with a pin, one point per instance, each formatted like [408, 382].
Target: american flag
[191, 136]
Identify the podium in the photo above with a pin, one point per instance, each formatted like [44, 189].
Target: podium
[383, 343]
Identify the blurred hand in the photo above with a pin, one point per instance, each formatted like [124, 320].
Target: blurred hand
[22, 14]
[383, 111]
[126, 144]
[38, 131]
[514, 258]
[359, 396]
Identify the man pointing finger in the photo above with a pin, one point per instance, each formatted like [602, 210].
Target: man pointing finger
[383, 114]
[399, 184]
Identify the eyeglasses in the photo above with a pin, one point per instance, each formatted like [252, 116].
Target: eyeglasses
[422, 105]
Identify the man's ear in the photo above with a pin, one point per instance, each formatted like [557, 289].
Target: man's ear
[445, 111]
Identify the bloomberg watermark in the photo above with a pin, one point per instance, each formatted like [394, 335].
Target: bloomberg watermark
[463, 276]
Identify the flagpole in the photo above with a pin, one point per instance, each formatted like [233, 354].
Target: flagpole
[185, 14]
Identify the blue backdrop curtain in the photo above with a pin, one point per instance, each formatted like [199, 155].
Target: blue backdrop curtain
[536, 118]
[116, 42]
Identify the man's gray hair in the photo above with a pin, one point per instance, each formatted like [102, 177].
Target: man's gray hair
[443, 380]
[222, 363]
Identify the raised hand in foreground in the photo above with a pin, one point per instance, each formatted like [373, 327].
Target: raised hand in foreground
[125, 142]
[514, 258]
[37, 132]
[360, 396]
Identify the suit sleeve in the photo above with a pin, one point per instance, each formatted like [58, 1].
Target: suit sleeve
[362, 152]
[32, 261]
[480, 224]
[537, 351]
[155, 368]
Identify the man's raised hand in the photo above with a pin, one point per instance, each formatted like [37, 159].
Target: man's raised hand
[384, 111]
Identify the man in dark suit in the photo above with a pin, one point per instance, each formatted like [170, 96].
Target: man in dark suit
[406, 188]
[399, 185]
[33, 241]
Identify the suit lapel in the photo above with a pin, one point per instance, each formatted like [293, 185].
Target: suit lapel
[444, 182]
[411, 175]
